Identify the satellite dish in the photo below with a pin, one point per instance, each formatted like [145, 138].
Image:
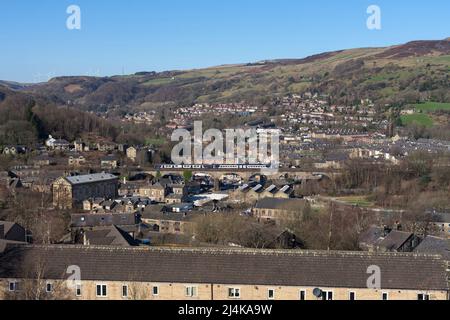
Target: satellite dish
[317, 293]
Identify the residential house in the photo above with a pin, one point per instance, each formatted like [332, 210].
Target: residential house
[441, 221]
[154, 191]
[109, 162]
[57, 144]
[12, 231]
[161, 220]
[224, 274]
[14, 150]
[106, 147]
[108, 236]
[95, 220]
[383, 239]
[369, 240]
[435, 245]
[273, 209]
[76, 160]
[174, 198]
[398, 241]
[139, 155]
[80, 146]
[12, 234]
[43, 160]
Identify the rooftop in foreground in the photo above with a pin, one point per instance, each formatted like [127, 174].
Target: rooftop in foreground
[231, 266]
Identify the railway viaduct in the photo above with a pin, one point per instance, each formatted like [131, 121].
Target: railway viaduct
[246, 174]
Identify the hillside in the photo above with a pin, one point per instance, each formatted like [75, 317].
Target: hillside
[410, 73]
[26, 119]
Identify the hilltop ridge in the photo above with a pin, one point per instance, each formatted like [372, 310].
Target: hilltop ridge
[391, 74]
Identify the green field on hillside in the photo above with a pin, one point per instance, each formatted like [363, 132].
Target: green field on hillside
[156, 141]
[360, 201]
[418, 118]
[432, 106]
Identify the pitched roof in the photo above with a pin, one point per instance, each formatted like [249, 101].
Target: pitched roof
[372, 236]
[4, 244]
[12, 231]
[157, 186]
[5, 226]
[442, 217]
[111, 235]
[245, 267]
[110, 157]
[102, 220]
[168, 216]
[280, 204]
[395, 239]
[435, 245]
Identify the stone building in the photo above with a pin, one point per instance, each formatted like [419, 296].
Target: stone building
[109, 162]
[156, 192]
[122, 273]
[167, 222]
[76, 160]
[69, 192]
[139, 155]
[274, 209]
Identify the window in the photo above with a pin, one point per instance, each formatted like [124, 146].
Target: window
[385, 296]
[49, 287]
[78, 290]
[271, 294]
[234, 293]
[13, 286]
[102, 290]
[352, 296]
[327, 295]
[423, 297]
[155, 291]
[191, 292]
[124, 291]
[302, 295]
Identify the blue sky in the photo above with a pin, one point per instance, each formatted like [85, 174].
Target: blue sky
[144, 35]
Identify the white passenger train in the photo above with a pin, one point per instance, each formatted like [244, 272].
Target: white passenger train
[211, 166]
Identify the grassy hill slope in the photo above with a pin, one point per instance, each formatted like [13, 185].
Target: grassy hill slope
[416, 71]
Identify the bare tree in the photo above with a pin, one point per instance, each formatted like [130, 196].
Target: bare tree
[35, 283]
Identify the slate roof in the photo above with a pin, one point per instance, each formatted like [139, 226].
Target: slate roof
[443, 217]
[5, 226]
[395, 239]
[280, 204]
[168, 216]
[102, 220]
[230, 266]
[111, 235]
[435, 245]
[109, 157]
[6, 243]
[96, 177]
[11, 231]
[372, 236]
